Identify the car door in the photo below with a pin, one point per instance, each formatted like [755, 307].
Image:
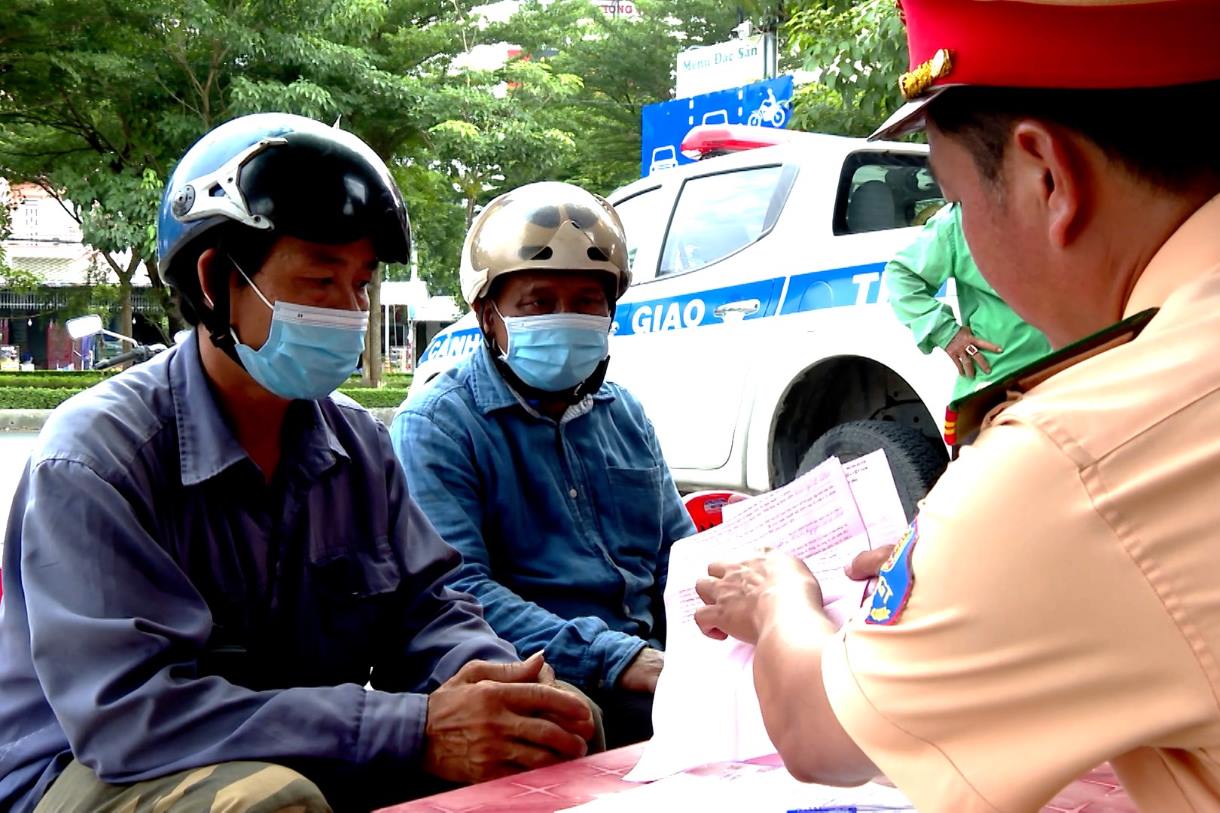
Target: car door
[681, 343]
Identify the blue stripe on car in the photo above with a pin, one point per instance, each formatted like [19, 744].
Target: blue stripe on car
[815, 290]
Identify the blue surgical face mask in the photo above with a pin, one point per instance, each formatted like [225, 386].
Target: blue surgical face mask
[309, 351]
[557, 351]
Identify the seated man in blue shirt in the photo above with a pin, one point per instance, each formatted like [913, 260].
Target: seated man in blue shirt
[208, 558]
[548, 481]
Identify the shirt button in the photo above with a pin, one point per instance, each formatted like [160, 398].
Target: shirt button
[572, 493]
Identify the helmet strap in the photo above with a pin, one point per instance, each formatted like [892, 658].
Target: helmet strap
[215, 317]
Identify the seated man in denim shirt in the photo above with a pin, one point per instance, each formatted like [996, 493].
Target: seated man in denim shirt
[548, 481]
[208, 558]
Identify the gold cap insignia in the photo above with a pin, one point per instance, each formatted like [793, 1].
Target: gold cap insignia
[916, 82]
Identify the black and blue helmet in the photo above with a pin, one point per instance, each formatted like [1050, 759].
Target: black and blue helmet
[278, 174]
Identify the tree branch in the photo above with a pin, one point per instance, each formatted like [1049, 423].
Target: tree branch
[45, 185]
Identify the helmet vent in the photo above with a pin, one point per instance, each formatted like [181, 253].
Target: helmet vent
[597, 255]
[544, 253]
[217, 191]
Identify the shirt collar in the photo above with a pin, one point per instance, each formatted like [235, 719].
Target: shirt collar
[206, 444]
[491, 391]
[1189, 251]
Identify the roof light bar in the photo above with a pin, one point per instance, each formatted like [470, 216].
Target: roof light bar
[708, 140]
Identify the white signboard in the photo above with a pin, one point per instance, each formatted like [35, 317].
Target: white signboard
[717, 67]
[406, 292]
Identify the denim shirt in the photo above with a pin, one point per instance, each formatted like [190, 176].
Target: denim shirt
[165, 607]
[564, 526]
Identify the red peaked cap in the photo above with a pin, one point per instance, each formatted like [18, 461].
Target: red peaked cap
[1062, 44]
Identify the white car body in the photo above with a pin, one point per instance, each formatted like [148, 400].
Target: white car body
[745, 359]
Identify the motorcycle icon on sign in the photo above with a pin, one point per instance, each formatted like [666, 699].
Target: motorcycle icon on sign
[771, 112]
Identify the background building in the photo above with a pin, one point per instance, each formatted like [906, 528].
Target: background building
[52, 276]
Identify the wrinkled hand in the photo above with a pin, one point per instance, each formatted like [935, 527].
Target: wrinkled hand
[739, 595]
[597, 742]
[966, 351]
[868, 565]
[642, 673]
[494, 719]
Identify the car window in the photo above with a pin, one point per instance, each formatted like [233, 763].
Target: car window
[644, 216]
[720, 214]
[880, 190]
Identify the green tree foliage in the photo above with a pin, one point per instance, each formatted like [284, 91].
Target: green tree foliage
[622, 64]
[6, 224]
[489, 135]
[74, 118]
[858, 50]
[98, 98]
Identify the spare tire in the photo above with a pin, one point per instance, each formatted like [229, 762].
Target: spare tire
[915, 460]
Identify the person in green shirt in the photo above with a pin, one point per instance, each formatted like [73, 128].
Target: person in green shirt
[992, 341]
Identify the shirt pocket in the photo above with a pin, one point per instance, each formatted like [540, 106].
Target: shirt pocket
[358, 593]
[635, 495]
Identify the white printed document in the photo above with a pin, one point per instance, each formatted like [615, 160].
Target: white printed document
[736, 788]
[706, 708]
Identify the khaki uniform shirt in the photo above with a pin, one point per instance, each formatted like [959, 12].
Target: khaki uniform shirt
[1064, 601]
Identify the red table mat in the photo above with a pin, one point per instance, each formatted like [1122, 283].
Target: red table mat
[572, 783]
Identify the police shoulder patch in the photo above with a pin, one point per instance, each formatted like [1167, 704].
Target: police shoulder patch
[895, 581]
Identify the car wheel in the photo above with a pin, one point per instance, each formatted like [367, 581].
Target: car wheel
[915, 460]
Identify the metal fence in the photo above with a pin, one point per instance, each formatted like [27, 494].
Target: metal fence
[47, 299]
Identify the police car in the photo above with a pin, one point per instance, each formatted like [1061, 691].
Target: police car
[756, 331]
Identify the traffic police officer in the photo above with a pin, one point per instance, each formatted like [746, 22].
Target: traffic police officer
[1055, 603]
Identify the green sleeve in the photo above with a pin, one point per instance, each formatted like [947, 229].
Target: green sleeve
[915, 275]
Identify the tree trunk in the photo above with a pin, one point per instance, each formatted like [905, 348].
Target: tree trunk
[124, 275]
[372, 345]
[125, 307]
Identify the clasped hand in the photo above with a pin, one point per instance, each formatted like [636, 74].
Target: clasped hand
[495, 719]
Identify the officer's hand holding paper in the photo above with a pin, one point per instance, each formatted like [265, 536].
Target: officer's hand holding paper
[706, 709]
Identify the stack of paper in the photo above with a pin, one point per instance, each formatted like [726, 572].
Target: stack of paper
[706, 709]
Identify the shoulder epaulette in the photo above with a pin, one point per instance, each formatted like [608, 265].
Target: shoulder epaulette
[964, 417]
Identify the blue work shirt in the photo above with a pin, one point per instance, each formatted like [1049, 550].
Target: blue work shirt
[564, 526]
[165, 607]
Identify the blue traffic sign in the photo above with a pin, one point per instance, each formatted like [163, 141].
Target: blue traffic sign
[665, 124]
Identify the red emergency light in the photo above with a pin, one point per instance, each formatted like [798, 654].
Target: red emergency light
[710, 140]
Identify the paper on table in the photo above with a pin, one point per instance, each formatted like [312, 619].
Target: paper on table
[706, 708]
[732, 788]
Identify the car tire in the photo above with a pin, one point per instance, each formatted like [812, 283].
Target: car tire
[915, 460]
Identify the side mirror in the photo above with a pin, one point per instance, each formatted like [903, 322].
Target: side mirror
[83, 326]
